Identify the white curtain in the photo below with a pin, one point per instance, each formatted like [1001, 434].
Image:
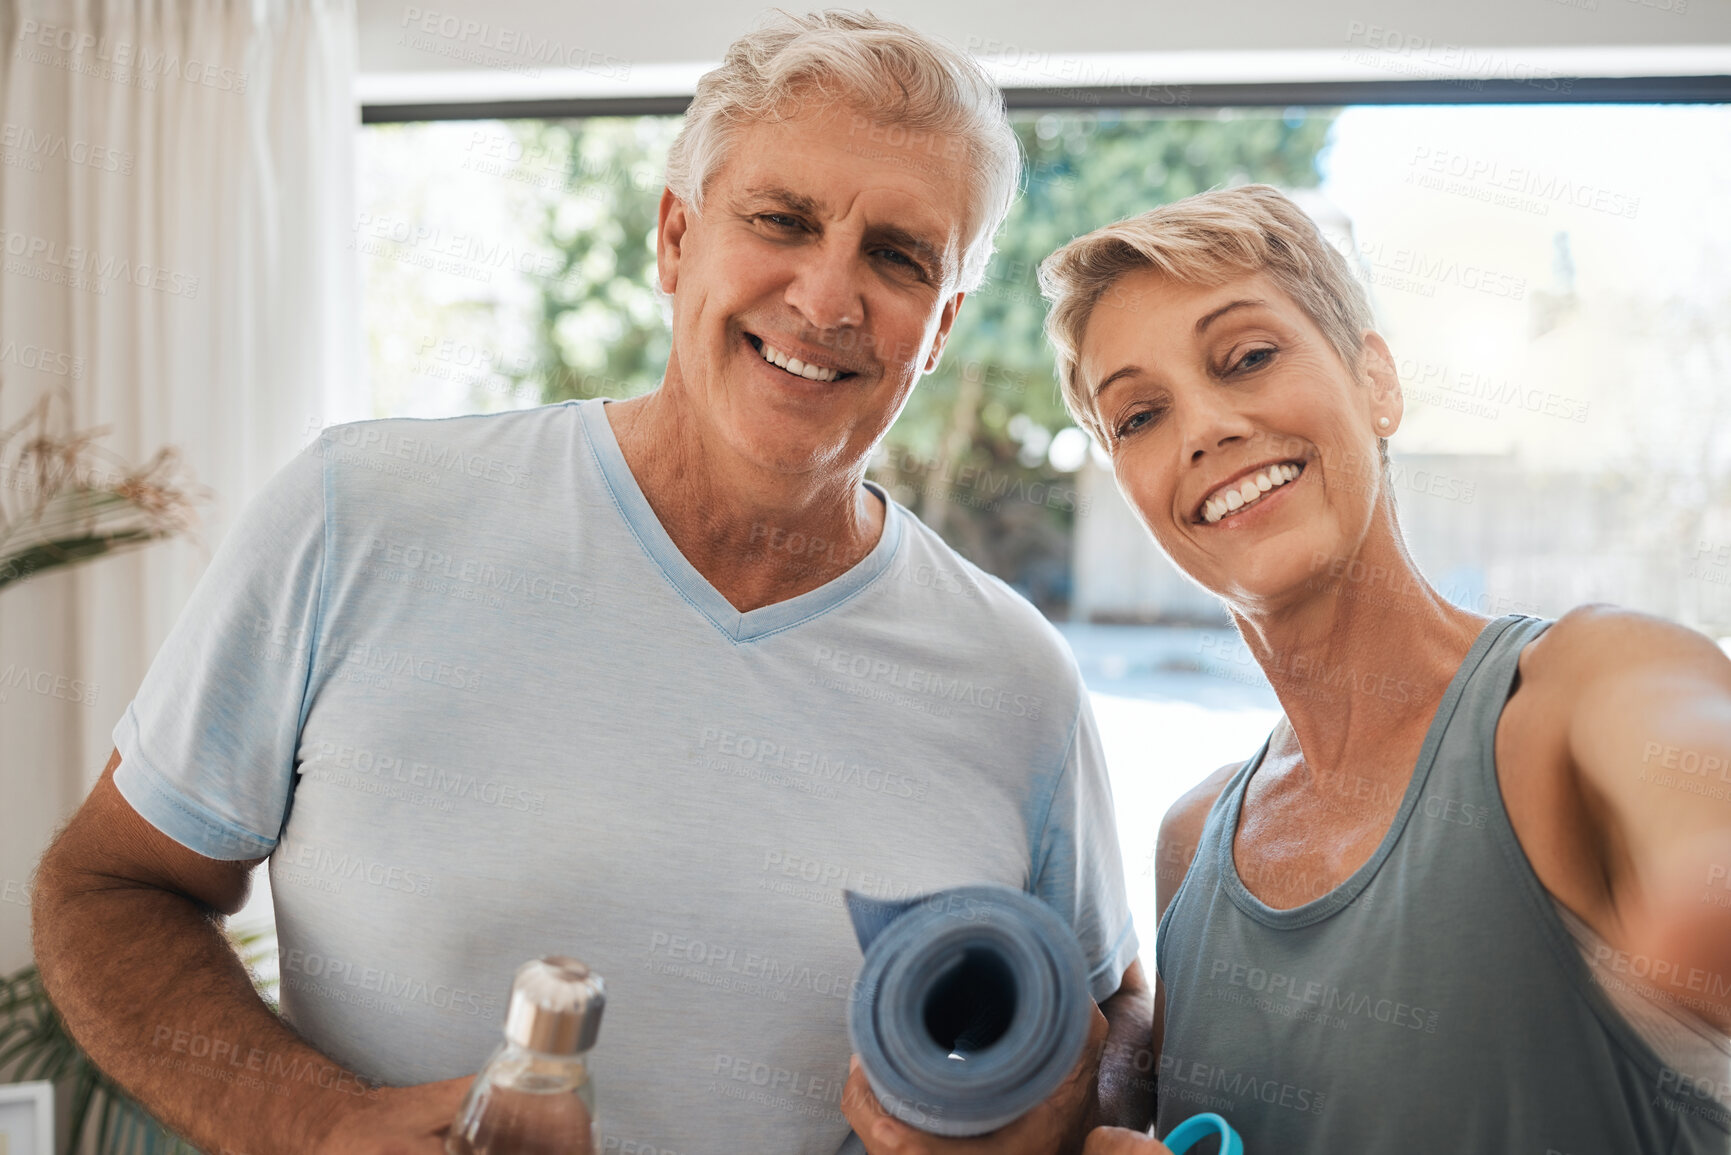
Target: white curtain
[176, 199]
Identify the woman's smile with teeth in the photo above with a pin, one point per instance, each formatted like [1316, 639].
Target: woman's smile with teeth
[1248, 490]
[793, 364]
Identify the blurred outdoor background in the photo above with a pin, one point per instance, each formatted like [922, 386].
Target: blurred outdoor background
[1553, 280]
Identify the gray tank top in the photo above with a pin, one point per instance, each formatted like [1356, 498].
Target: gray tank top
[1433, 1002]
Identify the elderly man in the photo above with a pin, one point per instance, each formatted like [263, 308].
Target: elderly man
[646, 682]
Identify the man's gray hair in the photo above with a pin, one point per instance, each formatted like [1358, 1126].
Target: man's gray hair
[896, 78]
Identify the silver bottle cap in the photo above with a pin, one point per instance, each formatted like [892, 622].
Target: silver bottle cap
[556, 1005]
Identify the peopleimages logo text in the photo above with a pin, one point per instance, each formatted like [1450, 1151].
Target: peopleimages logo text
[513, 45]
[165, 62]
[934, 683]
[105, 267]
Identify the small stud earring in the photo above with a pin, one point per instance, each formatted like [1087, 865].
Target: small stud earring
[1382, 423]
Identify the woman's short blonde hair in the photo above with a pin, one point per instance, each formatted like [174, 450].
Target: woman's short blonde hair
[1206, 239]
[892, 75]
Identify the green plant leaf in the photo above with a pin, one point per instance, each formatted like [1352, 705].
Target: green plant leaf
[50, 555]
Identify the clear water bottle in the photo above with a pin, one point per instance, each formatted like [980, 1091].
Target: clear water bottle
[534, 1096]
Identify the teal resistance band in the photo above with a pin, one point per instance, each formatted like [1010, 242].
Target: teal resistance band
[1200, 1127]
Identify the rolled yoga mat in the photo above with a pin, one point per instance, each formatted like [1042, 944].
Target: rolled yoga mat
[972, 1006]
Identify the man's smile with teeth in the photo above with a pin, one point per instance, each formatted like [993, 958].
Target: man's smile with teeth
[1248, 490]
[792, 364]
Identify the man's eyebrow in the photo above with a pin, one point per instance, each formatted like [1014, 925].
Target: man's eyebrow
[786, 197]
[934, 257]
[916, 245]
[1245, 302]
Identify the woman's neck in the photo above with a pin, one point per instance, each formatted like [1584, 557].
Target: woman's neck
[1360, 660]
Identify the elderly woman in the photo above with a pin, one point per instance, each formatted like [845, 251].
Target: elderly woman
[1471, 893]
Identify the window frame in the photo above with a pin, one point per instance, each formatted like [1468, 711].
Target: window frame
[1179, 97]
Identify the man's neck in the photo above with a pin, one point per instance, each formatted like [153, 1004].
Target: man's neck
[758, 535]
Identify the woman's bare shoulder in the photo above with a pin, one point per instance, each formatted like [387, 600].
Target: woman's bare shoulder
[1591, 640]
[1186, 816]
[1181, 831]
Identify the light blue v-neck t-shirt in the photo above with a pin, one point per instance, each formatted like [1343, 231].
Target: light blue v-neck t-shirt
[457, 682]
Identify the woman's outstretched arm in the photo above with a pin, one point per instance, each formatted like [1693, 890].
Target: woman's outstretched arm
[1648, 733]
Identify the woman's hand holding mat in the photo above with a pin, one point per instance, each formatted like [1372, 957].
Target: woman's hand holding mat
[1118, 1141]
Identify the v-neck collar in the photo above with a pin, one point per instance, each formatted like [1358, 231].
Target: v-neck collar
[692, 585]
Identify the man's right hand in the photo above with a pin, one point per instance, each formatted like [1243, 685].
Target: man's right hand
[398, 1121]
[1118, 1141]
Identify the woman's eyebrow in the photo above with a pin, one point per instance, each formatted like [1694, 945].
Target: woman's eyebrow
[1119, 375]
[1208, 320]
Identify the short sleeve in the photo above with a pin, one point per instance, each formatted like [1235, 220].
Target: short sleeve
[1078, 868]
[207, 746]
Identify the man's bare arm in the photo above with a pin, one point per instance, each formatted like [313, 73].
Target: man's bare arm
[1127, 1064]
[127, 927]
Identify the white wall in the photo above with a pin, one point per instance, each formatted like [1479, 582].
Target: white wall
[634, 44]
[700, 29]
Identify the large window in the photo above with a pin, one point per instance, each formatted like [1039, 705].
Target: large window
[1553, 280]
